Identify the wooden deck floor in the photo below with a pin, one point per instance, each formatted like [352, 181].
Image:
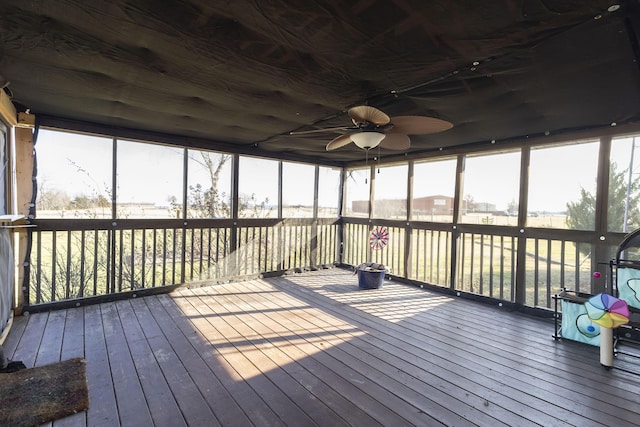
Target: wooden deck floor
[313, 349]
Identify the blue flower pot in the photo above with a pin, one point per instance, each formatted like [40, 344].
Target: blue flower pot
[368, 279]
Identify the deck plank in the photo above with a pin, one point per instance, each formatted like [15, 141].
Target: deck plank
[103, 409]
[73, 338]
[379, 364]
[13, 338]
[274, 364]
[235, 393]
[29, 345]
[473, 362]
[162, 405]
[185, 391]
[314, 349]
[282, 346]
[239, 354]
[51, 344]
[132, 404]
[73, 346]
[554, 382]
[341, 362]
[221, 402]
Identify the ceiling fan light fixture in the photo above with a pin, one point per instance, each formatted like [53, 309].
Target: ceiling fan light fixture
[367, 140]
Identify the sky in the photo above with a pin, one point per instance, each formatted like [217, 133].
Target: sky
[556, 176]
[153, 174]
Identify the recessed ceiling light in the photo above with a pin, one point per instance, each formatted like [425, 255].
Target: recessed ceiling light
[613, 7]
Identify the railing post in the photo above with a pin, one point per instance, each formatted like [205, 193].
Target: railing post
[111, 235]
[600, 246]
[408, 248]
[459, 188]
[183, 251]
[340, 234]
[313, 243]
[111, 259]
[520, 296]
[233, 231]
[408, 270]
[455, 234]
[185, 215]
[339, 249]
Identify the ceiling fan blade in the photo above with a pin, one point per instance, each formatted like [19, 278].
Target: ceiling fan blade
[365, 113]
[418, 125]
[339, 128]
[338, 142]
[396, 141]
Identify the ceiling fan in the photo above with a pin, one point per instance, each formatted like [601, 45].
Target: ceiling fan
[372, 128]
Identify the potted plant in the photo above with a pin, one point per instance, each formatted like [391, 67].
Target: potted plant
[370, 275]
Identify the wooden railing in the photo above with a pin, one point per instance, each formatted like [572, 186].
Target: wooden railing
[503, 263]
[77, 259]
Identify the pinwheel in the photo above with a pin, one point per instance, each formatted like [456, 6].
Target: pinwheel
[609, 312]
[379, 238]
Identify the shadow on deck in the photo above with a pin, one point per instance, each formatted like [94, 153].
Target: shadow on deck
[314, 349]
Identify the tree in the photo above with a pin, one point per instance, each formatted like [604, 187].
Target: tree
[581, 214]
[618, 202]
[206, 202]
[51, 199]
[469, 203]
[81, 202]
[58, 200]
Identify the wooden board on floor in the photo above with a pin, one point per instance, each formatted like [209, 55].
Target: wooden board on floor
[314, 349]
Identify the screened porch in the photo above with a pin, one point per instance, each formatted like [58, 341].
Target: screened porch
[188, 187]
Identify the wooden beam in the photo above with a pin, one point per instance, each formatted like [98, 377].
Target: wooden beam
[7, 110]
[24, 169]
[24, 192]
[26, 120]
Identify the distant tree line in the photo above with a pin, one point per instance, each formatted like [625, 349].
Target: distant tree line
[59, 200]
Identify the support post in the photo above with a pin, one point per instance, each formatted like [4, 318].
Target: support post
[606, 347]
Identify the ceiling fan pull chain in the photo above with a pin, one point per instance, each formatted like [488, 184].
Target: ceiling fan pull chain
[366, 162]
